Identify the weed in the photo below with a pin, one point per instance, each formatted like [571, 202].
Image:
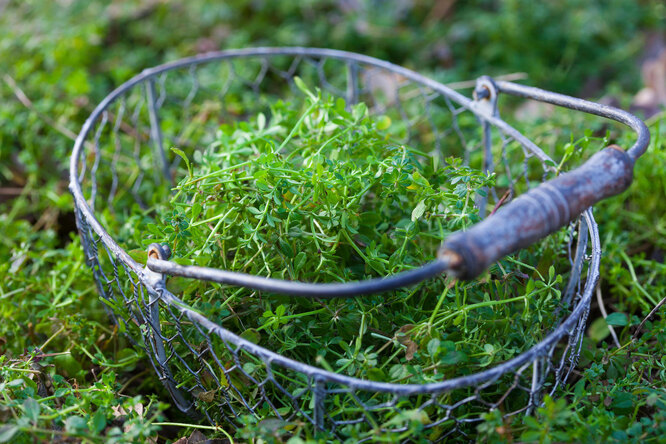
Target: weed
[318, 191]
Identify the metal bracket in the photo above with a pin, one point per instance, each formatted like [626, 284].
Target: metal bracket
[154, 337]
[485, 97]
[485, 105]
[156, 251]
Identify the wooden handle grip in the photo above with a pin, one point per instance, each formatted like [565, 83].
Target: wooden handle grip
[539, 212]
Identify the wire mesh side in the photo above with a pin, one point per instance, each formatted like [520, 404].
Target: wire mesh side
[212, 375]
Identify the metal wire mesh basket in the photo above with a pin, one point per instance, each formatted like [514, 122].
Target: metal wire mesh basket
[119, 162]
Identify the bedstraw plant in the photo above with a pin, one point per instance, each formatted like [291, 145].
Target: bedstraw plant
[317, 190]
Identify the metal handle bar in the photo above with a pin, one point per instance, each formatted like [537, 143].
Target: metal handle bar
[553, 204]
[304, 289]
[526, 219]
[539, 212]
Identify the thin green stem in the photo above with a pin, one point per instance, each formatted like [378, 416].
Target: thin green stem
[297, 127]
[467, 308]
[196, 426]
[632, 272]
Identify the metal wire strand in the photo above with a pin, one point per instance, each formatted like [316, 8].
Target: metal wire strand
[303, 289]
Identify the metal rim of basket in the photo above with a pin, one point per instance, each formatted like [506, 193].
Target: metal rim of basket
[156, 288]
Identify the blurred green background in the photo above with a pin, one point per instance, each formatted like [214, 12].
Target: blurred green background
[65, 55]
[59, 58]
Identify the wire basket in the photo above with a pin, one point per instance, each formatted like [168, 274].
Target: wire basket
[121, 162]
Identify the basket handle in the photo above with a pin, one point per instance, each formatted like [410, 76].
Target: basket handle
[538, 213]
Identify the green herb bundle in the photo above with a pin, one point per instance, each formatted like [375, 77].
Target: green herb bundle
[316, 190]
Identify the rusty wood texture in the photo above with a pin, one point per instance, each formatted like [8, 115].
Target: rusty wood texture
[539, 212]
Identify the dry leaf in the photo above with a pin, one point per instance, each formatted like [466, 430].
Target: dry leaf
[208, 396]
[402, 334]
[403, 337]
[118, 411]
[138, 408]
[411, 349]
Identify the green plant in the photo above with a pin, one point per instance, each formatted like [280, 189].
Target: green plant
[38, 402]
[60, 371]
[316, 191]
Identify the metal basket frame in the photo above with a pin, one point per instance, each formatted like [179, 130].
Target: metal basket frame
[550, 358]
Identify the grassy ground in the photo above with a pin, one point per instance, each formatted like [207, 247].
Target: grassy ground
[65, 373]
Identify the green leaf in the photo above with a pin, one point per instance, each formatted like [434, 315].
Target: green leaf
[383, 123]
[195, 210]
[98, 422]
[617, 319]
[419, 180]
[75, 424]
[280, 310]
[7, 432]
[598, 330]
[31, 409]
[182, 154]
[359, 111]
[529, 288]
[128, 356]
[376, 374]
[286, 248]
[251, 335]
[142, 255]
[259, 174]
[579, 388]
[530, 436]
[433, 347]
[652, 399]
[623, 400]
[418, 211]
[452, 357]
[61, 392]
[300, 260]
[300, 84]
